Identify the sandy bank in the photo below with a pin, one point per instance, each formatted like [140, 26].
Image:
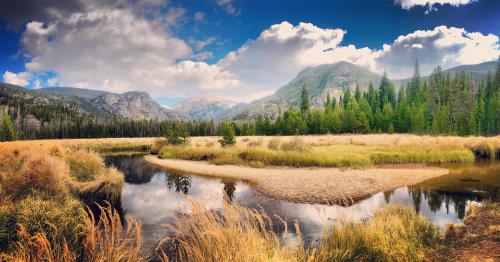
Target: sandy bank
[311, 185]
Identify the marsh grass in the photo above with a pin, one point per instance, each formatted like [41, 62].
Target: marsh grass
[42, 215]
[236, 233]
[395, 233]
[327, 151]
[104, 239]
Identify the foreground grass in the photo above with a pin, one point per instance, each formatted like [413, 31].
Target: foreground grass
[336, 151]
[44, 192]
[395, 233]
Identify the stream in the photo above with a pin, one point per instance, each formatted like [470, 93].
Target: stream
[156, 197]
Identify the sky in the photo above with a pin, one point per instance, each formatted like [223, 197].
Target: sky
[237, 49]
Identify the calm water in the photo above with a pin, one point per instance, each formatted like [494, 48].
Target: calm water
[156, 197]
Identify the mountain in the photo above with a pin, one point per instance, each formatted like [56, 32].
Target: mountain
[478, 72]
[78, 92]
[134, 105]
[204, 108]
[321, 80]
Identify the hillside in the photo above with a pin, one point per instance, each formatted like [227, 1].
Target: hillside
[78, 92]
[133, 105]
[326, 79]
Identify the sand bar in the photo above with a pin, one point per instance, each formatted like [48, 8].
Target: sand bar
[309, 185]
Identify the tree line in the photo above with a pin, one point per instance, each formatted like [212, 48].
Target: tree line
[443, 103]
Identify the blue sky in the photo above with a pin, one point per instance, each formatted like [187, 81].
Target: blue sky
[238, 49]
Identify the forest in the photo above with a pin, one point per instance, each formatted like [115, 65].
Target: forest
[443, 103]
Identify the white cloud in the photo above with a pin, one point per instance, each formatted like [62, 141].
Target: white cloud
[200, 44]
[281, 51]
[52, 81]
[116, 50]
[445, 46]
[228, 6]
[21, 79]
[199, 16]
[120, 49]
[430, 4]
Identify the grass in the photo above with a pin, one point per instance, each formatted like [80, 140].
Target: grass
[354, 151]
[104, 239]
[43, 194]
[236, 233]
[395, 233]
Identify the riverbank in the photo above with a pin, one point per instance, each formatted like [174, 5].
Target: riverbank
[309, 185]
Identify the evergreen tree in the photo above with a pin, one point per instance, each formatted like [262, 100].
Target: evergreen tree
[227, 133]
[304, 102]
[328, 103]
[7, 132]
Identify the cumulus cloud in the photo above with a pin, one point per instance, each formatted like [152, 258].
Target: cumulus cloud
[282, 50]
[113, 45]
[21, 79]
[102, 49]
[445, 46]
[431, 4]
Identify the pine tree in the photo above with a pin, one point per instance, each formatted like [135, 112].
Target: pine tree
[7, 132]
[304, 102]
[328, 103]
[227, 133]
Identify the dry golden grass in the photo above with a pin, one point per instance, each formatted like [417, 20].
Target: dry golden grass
[236, 233]
[354, 151]
[101, 240]
[43, 189]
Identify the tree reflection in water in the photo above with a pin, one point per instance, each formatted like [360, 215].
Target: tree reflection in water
[182, 183]
[229, 189]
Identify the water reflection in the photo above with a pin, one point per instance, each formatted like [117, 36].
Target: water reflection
[156, 197]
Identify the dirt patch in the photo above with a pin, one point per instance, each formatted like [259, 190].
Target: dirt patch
[477, 239]
[309, 185]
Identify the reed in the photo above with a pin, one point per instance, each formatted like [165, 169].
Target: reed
[103, 239]
[395, 233]
[236, 233]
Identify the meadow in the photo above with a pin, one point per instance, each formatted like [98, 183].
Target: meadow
[57, 203]
[344, 151]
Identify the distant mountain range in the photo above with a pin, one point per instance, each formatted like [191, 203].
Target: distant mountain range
[321, 80]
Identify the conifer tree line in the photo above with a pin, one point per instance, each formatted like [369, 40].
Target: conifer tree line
[443, 103]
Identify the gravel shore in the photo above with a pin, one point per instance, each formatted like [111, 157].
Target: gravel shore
[310, 185]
